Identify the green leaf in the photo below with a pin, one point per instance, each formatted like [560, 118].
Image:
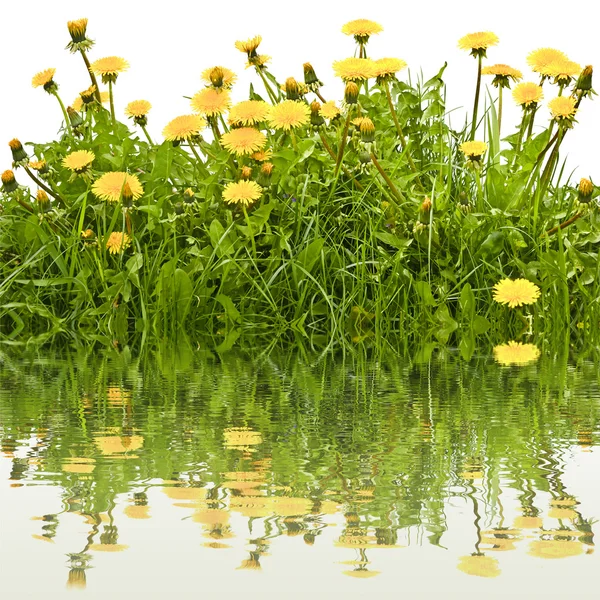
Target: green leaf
[480, 325]
[467, 302]
[424, 290]
[448, 324]
[232, 313]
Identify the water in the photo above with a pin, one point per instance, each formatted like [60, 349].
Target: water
[286, 476]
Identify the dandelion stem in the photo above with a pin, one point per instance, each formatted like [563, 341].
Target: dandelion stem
[250, 233]
[480, 206]
[519, 140]
[391, 185]
[112, 104]
[340, 155]
[476, 104]
[413, 168]
[270, 92]
[499, 112]
[293, 136]
[320, 96]
[332, 154]
[194, 152]
[562, 225]
[147, 135]
[44, 186]
[92, 76]
[65, 115]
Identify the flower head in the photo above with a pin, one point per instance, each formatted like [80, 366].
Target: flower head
[478, 42]
[117, 242]
[563, 108]
[110, 186]
[45, 79]
[355, 69]
[183, 128]
[362, 29]
[250, 45]
[289, 114]
[87, 98]
[539, 59]
[262, 155]
[528, 94]
[473, 149]
[109, 67]
[242, 192]
[9, 183]
[138, 111]
[249, 112]
[19, 155]
[329, 110]
[585, 190]
[516, 292]
[584, 81]
[79, 161]
[516, 353]
[243, 140]
[41, 166]
[211, 102]
[219, 77]
[386, 68]
[563, 71]
[310, 77]
[503, 74]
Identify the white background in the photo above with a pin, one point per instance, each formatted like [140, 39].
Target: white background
[169, 44]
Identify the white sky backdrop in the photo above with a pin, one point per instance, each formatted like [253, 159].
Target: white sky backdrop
[168, 44]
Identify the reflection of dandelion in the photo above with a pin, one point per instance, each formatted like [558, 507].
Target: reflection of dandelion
[555, 548]
[516, 353]
[479, 565]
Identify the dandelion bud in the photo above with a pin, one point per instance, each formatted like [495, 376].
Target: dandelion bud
[74, 117]
[264, 176]
[585, 191]
[42, 200]
[316, 119]
[41, 166]
[216, 76]
[364, 157]
[127, 195]
[367, 131]
[351, 93]
[77, 31]
[425, 205]
[292, 90]
[584, 83]
[88, 235]
[88, 96]
[19, 155]
[246, 172]
[188, 196]
[179, 209]
[310, 77]
[9, 183]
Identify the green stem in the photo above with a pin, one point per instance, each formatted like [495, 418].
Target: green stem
[389, 182]
[531, 120]
[270, 92]
[480, 206]
[112, 104]
[327, 146]
[65, 115]
[92, 76]
[340, 155]
[45, 187]
[195, 152]
[293, 136]
[476, 104]
[251, 233]
[147, 135]
[499, 112]
[519, 140]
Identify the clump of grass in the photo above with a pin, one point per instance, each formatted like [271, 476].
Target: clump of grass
[366, 220]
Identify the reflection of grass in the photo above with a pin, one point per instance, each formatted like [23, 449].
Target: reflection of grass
[289, 225]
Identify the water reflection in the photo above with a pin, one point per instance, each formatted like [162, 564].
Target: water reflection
[358, 458]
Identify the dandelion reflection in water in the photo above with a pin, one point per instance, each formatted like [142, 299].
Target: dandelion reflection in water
[358, 469]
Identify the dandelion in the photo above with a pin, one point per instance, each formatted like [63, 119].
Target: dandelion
[242, 192]
[329, 110]
[243, 140]
[478, 42]
[291, 89]
[316, 119]
[88, 98]
[183, 128]
[42, 199]
[503, 75]
[585, 191]
[355, 69]
[310, 78]
[351, 93]
[473, 149]
[264, 176]
[79, 161]
[528, 94]
[386, 68]
[563, 71]
[539, 59]
[9, 183]
[138, 109]
[19, 155]
[250, 45]
[211, 102]
[516, 292]
[563, 108]
[362, 29]
[262, 155]
[41, 166]
[249, 112]
[584, 81]
[79, 41]
[45, 79]
[219, 77]
[117, 242]
[516, 353]
[109, 68]
[110, 186]
[289, 114]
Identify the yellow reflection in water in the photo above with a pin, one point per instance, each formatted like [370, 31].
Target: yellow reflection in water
[119, 444]
[479, 565]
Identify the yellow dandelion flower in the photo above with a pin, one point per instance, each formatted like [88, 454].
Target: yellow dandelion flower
[39, 165]
[249, 112]
[78, 103]
[387, 67]
[262, 155]
[109, 66]
[211, 102]
[219, 77]
[515, 353]
[502, 74]
[527, 93]
[243, 140]
[258, 61]
[77, 29]
[329, 110]
[43, 78]
[562, 70]
[362, 29]
[585, 189]
[359, 121]
[289, 114]
[242, 192]
[79, 161]
[355, 69]
[562, 107]
[473, 149]
[110, 186]
[138, 108]
[516, 292]
[480, 40]
[117, 242]
[249, 46]
[183, 128]
[539, 59]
